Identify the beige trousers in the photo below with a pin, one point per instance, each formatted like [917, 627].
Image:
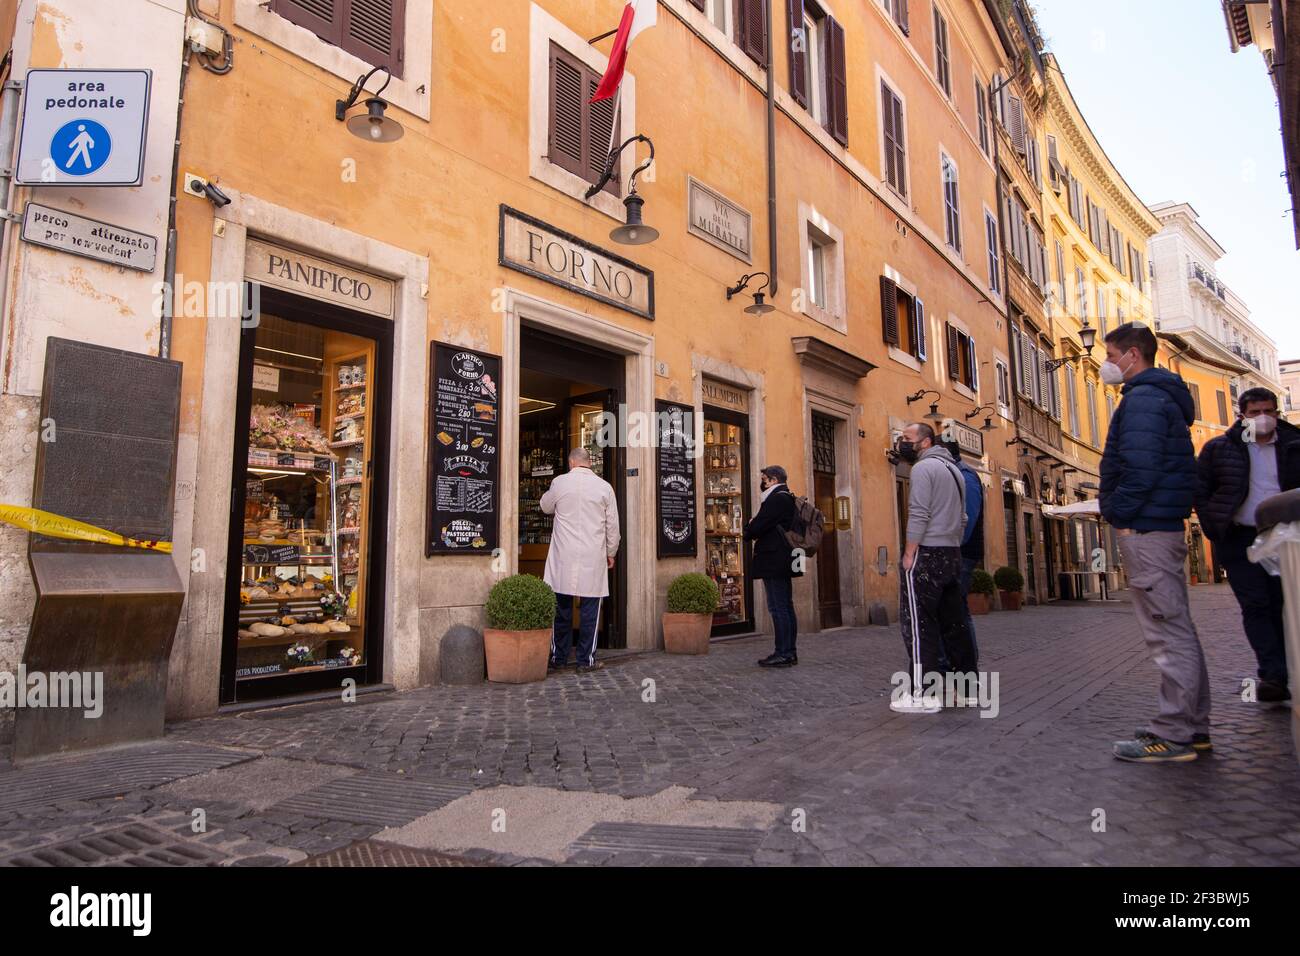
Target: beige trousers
[1155, 563]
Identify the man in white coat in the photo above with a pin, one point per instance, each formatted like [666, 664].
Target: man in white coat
[584, 540]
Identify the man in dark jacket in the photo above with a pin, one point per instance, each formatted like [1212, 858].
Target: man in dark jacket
[1258, 457]
[1148, 480]
[775, 563]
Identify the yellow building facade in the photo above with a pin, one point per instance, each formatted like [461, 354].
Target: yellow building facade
[401, 294]
[1098, 232]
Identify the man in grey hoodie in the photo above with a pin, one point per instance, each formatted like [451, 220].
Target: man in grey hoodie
[930, 601]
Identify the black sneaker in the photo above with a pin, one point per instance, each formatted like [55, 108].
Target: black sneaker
[555, 666]
[776, 661]
[1272, 692]
[1201, 743]
[1148, 748]
[771, 660]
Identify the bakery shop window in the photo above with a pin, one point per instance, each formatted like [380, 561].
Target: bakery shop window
[304, 562]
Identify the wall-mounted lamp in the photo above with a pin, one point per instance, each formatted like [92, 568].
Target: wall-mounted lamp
[843, 514]
[988, 425]
[371, 125]
[633, 232]
[759, 307]
[934, 414]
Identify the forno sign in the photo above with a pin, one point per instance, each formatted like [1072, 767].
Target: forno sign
[531, 246]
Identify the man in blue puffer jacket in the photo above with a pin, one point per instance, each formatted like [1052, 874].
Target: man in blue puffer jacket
[1148, 483]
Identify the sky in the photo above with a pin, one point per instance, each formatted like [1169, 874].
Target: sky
[1183, 118]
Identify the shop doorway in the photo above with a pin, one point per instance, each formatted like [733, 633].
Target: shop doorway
[566, 391]
[827, 560]
[727, 509]
[309, 493]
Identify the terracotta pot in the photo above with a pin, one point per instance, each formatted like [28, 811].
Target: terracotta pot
[687, 633]
[978, 603]
[516, 657]
[1011, 600]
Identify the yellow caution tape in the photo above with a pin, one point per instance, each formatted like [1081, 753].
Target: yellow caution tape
[57, 526]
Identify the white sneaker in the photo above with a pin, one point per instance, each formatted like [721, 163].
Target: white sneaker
[908, 704]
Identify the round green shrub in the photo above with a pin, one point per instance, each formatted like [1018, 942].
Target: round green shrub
[981, 582]
[693, 593]
[522, 602]
[1009, 579]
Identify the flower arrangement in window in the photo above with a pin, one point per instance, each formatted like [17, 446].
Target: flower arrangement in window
[299, 654]
[333, 604]
[276, 426]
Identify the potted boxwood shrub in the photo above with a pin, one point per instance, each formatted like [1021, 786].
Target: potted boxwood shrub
[517, 641]
[692, 599]
[1011, 583]
[980, 598]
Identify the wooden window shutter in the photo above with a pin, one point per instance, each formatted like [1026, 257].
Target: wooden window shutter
[798, 54]
[375, 31]
[322, 17]
[837, 83]
[918, 328]
[1196, 399]
[900, 16]
[954, 359]
[889, 310]
[698, 5]
[1016, 123]
[567, 101]
[1223, 408]
[600, 131]
[753, 29]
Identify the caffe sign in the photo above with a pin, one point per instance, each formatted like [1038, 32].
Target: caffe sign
[531, 246]
[315, 278]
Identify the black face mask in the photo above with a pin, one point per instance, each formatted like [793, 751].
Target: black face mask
[907, 451]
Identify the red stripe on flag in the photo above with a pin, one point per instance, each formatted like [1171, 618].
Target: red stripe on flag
[617, 58]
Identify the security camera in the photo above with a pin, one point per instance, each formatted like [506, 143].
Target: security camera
[215, 195]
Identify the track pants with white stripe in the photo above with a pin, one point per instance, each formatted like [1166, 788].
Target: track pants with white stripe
[931, 614]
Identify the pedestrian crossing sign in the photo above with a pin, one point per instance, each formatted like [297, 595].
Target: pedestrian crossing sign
[84, 128]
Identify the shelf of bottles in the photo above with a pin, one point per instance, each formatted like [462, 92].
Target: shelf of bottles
[540, 462]
[349, 434]
[724, 517]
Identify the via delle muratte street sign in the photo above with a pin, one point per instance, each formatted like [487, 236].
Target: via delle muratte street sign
[84, 128]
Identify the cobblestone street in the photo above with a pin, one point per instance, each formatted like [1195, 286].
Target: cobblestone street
[727, 764]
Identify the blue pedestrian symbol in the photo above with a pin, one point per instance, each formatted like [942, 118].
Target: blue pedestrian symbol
[80, 147]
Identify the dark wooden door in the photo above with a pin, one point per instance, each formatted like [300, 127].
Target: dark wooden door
[827, 560]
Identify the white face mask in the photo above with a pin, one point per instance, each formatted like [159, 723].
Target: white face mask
[1264, 424]
[1112, 374]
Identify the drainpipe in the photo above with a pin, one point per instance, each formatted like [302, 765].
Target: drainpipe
[169, 266]
[8, 129]
[771, 155]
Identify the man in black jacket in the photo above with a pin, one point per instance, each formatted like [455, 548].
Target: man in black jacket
[775, 563]
[1257, 458]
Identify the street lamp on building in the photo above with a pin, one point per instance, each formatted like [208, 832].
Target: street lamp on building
[633, 232]
[371, 125]
[759, 307]
[988, 425]
[933, 415]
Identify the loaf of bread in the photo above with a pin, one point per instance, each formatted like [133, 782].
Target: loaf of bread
[267, 630]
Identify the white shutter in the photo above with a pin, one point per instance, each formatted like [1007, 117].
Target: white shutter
[918, 333]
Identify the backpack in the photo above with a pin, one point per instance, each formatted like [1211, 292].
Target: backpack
[806, 530]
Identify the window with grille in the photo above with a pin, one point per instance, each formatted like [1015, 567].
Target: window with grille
[823, 443]
[580, 131]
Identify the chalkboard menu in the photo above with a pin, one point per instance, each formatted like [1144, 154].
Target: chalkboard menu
[464, 451]
[675, 479]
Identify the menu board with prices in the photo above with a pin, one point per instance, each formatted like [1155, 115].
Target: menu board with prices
[464, 456]
[675, 480]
